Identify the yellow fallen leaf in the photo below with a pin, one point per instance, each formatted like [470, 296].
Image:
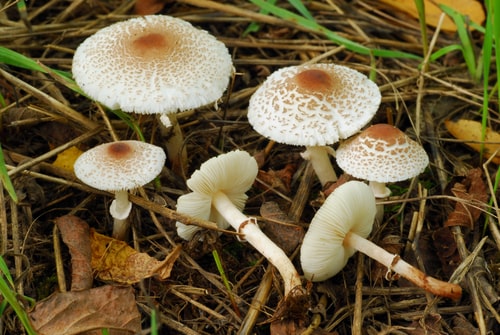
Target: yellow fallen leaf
[67, 158]
[473, 9]
[114, 260]
[470, 132]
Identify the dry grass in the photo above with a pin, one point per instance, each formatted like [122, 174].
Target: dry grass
[194, 300]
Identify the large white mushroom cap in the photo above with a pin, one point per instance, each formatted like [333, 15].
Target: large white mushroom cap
[351, 207]
[121, 165]
[313, 105]
[232, 173]
[152, 64]
[382, 153]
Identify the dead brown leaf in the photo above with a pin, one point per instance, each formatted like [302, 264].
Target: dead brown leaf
[470, 132]
[148, 7]
[279, 228]
[473, 9]
[76, 235]
[473, 193]
[116, 261]
[462, 326]
[77, 312]
[280, 179]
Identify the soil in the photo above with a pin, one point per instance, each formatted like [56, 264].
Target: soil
[194, 299]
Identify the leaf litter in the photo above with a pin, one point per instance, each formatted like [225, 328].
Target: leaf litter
[201, 303]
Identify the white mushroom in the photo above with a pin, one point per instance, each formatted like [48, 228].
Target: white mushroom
[119, 167]
[154, 64]
[340, 228]
[315, 106]
[219, 188]
[382, 154]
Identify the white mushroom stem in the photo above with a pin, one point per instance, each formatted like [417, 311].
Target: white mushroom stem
[319, 156]
[396, 264]
[380, 191]
[252, 233]
[120, 209]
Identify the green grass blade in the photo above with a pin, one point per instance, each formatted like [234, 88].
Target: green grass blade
[7, 291]
[495, 9]
[222, 273]
[444, 51]
[423, 26]
[4, 176]
[313, 25]
[130, 122]
[10, 57]
[486, 56]
[299, 6]
[463, 34]
[254, 26]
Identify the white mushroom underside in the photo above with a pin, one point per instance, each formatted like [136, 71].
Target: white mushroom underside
[351, 207]
[232, 173]
[274, 110]
[138, 168]
[376, 160]
[194, 73]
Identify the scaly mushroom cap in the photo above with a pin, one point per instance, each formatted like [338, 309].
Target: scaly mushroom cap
[382, 153]
[232, 173]
[122, 165]
[313, 105]
[322, 254]
[152, 64]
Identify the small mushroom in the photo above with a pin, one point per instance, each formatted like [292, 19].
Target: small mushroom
[219, 188]
[381, 154]
[154, 64]
[119, 167]
[340, 228]
[315, 106]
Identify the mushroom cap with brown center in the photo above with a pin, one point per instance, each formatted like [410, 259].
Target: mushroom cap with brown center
[313, 105]
[152, 64]
[382, 153]
[122, 165]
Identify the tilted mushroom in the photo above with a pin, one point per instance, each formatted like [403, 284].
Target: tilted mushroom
[340, 228]
[118, 167]
[155, 64]
[382, 154]
[218, 193]
[315, 106]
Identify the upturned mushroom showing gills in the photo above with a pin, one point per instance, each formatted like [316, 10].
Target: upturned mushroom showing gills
[340, 228]
[154, 64]
[314, 106]
[218, 194]
[118, 167]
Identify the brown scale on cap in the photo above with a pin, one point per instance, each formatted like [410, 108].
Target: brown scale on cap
[152, 45]
[315, 80]
[120, 150]
[389, 134]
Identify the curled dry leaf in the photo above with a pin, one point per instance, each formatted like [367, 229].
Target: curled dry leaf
[473, 194]
[77, 312]
[115, 261]
[470, 132]
[281, 179]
